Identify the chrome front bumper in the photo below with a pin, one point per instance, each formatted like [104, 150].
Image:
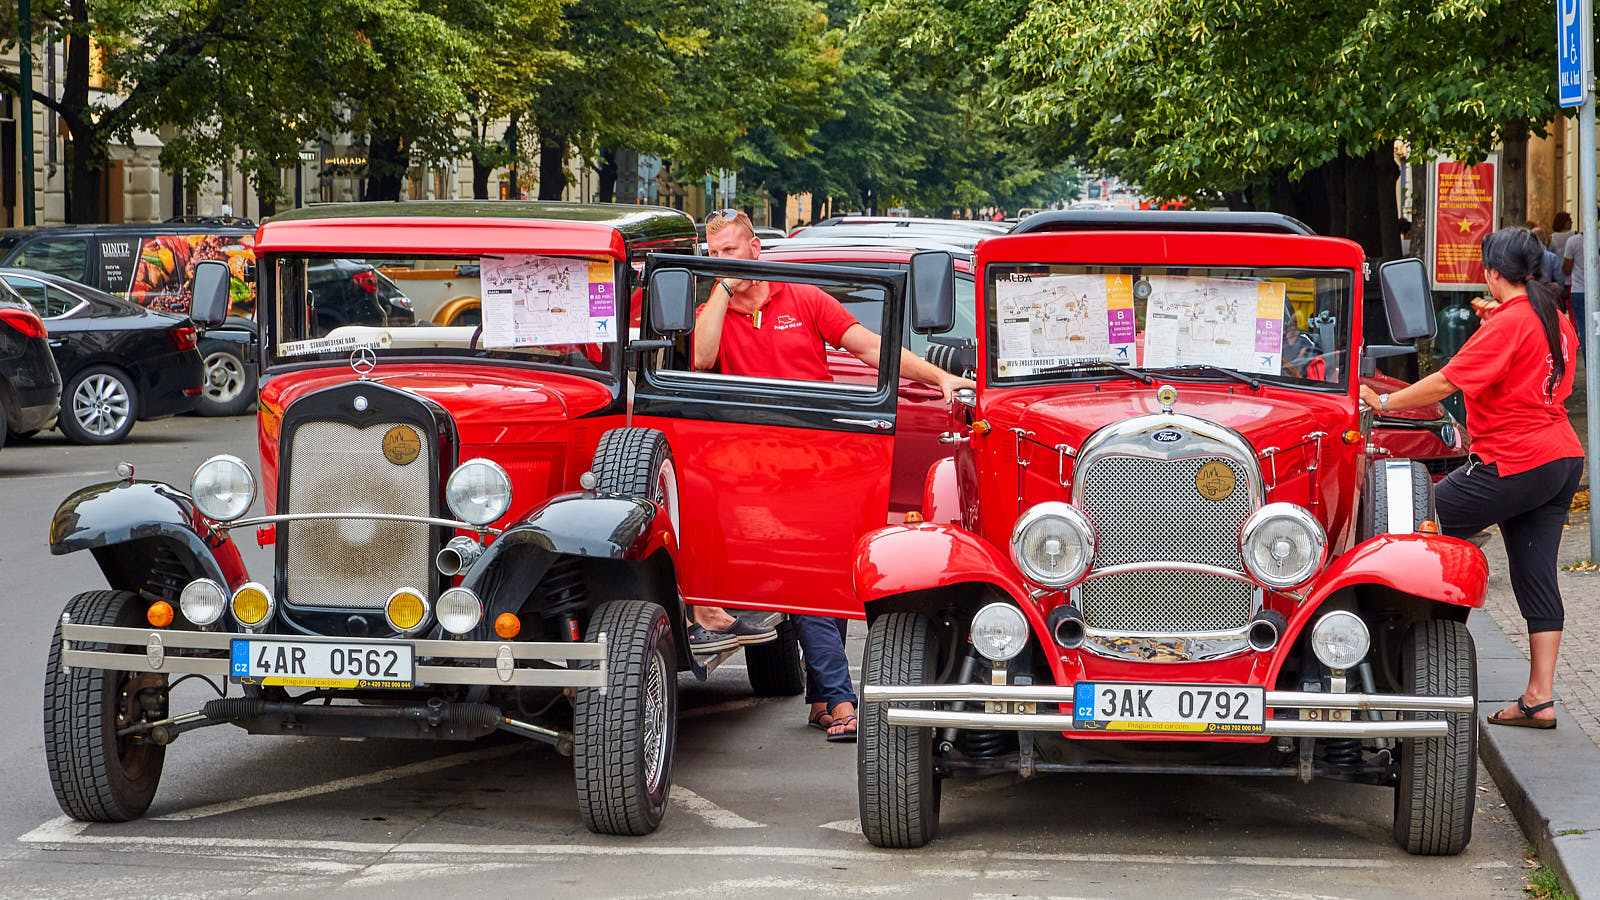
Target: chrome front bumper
[1009, 708]
[491, 663]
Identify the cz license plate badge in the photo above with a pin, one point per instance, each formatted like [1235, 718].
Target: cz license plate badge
[1183, 708]
[320, 664]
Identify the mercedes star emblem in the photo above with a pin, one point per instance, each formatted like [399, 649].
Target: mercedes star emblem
[363, 360]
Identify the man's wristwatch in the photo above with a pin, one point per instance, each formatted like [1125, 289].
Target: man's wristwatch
[1383, 401]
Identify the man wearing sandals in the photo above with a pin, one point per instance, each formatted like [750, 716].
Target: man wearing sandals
[1516, 373]
[801, 320]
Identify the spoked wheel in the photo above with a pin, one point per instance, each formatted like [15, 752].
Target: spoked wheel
[897, 785]
[99, 406]
[98, 776]
[1433, 801]
[230, 385]
[624, 740]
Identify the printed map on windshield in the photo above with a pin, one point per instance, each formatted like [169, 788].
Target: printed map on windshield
[1214, 321]
[533, 301]
[1046, 321]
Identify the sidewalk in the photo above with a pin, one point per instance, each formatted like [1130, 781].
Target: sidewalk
[1550, 779]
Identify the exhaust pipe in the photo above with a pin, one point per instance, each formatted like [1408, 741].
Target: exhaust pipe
[1265, 630]
[1066, 626]
[458, 555]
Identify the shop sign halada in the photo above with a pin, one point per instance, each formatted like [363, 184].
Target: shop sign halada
[1462, 206]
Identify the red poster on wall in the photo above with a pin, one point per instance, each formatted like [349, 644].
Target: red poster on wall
[1462, 206]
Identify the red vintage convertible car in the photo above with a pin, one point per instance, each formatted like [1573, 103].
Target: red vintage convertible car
[1166, 541]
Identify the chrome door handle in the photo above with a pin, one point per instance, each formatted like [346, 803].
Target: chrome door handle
[880, 424]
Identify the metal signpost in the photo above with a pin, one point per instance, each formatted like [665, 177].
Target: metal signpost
[1575, 87]
[25, 120]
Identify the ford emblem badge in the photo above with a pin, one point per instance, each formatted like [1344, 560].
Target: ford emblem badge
[1167, 436]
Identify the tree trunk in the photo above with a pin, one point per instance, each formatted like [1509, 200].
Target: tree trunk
[1385, 175]
[480, 178]
[778, 209]
[1513, 174]
[267, 199]
[88, 153]
[818, 203]
[552, 165]
[607, 170]
[512, 140]
[387, 163]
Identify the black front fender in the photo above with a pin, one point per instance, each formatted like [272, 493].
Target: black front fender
[576, 524]
[130, 525]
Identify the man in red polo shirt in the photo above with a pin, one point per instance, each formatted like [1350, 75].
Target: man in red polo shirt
[774, 329]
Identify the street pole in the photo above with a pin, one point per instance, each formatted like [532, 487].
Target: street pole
[1590, 212]
[25, 122]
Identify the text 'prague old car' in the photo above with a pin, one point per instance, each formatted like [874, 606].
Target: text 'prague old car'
[1165, 542]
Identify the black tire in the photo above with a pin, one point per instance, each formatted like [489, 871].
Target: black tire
[96, 777]
[623, 740]
[1433, 800]
[897, 785]
[628, 460]
[230, 385]
[98, 406]
[775, 668]
[1375, 499]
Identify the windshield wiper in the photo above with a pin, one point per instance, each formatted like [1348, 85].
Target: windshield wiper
[1249, 381]
[1135, 374]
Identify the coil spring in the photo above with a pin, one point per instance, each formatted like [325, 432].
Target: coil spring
[562, 589]
[985, 744]
[1342, 751]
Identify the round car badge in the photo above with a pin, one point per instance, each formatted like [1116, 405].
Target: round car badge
[1215, 481]
[1167, 396]
[401, 445]
[363, 360]
[1167, 436]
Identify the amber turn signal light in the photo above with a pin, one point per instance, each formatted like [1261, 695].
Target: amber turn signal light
[981, 426]
[159, 614]
[1352, 436]
[507, 625]
[913, 517]
[1428, 526]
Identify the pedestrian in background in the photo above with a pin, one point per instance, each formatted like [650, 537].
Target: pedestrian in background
[1560, 231]
[1516, 373]
[1572, 267]
[1551, 269]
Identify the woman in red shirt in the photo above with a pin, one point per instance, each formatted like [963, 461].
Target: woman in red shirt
[1516, 373]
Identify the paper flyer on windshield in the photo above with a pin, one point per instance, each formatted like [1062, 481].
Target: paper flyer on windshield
[534, 301]
[1047, 321]
[1225, 322]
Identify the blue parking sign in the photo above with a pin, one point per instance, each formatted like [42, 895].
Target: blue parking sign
[1572, 53]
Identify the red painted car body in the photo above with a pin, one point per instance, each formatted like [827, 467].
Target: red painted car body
[1167, 507]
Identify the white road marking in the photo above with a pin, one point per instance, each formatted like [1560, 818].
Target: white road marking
[342, 784]
[714, 815]
[53, 835]
[848, 826]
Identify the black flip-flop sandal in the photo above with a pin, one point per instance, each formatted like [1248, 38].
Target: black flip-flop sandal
[816, 720]
[1526, 720]
[843, 737]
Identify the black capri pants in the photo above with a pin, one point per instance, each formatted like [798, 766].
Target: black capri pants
[1530, 508]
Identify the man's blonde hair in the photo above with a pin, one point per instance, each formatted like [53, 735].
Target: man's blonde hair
[720, 220]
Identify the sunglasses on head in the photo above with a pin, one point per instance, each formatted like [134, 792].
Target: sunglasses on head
[727, 215]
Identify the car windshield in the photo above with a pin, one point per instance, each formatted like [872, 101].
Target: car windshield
[1057, 321]
[546, 310]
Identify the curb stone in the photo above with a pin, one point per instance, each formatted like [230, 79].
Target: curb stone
[1548, 778]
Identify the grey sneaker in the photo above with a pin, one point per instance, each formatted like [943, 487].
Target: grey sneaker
[749, 633]
[704, 640]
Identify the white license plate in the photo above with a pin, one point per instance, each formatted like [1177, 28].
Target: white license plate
[367, 664]
[1195, 708]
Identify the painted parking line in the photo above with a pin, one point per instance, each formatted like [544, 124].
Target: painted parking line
[709, 812]
[62, 833]
[342, 784]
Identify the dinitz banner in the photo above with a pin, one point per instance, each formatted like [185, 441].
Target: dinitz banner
[1463, 206]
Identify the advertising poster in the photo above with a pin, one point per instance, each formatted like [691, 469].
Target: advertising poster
[163, 269]
[1462, 206]
[1056, 320]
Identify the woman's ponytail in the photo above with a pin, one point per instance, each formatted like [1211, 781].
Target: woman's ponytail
[1519, 258]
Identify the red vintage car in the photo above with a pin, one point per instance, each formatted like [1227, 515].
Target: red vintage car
[1166, 541]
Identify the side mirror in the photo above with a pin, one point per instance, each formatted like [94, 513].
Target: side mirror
[209, 304]
[671, 301]
[933, 292]
[1407, 302]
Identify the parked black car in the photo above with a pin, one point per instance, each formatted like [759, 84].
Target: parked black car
[119, 361]
[30, 384]
[351, 292]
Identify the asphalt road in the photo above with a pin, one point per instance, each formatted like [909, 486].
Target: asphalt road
[761, 804]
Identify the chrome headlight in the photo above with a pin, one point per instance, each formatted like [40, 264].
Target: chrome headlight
[479, 491]
[1283, 545]
[459, 610]
[223, 488]
[999, 632]
[1340, 639]
[202, 601]
[1053, 544]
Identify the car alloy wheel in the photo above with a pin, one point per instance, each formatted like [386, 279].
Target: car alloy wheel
[224, 377]
[101, 405]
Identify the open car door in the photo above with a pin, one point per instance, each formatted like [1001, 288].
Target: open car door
[776, 477]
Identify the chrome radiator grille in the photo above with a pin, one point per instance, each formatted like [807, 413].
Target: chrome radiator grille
[354, 563]
[1147, 510]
